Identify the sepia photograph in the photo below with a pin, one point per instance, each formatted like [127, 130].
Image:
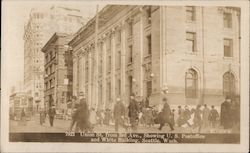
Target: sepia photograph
[110, 72]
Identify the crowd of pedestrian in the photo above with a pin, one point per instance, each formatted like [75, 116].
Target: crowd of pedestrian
[139, 113]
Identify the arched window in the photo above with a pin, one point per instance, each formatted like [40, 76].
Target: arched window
[191, 84]
[228, 84]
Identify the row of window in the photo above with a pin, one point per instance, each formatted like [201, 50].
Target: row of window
[191, 16]
[49, 56]
[191, 84]
[118, 55]
[50, 69]
[49, 84]
[192, 44]
[38, 15]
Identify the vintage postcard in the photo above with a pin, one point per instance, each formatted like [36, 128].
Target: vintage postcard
[125, 76]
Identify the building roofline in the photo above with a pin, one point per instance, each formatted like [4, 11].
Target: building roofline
[87, 25]
[54, 37]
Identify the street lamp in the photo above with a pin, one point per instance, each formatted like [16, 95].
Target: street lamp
[165, 89]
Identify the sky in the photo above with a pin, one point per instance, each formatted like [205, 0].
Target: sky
[14, 16]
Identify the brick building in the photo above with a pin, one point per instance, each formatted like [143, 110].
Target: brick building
[58, 71]
[193, 53]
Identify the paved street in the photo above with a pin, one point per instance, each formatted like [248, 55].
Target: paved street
[62, 125]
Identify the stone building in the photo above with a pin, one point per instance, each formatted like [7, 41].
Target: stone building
[191, 53]
[58, 71]
[42, 24]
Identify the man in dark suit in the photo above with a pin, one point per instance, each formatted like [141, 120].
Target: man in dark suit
[226, 115]
[119, 114]
[52, 113]
[133, 112]
[165, 115]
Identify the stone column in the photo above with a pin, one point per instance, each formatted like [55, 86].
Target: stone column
[123, 61]
[104, 73]
[140, 54]
[74, 75]
[113, 79]
[90, 76]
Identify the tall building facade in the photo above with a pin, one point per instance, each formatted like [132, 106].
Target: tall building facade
[191, 54]
[42, 24]
[58, 71]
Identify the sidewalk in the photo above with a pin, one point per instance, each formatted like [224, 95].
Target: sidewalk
[60, 126]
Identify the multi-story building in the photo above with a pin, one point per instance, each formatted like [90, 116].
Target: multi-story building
[42, 24]
[58, 71]
[191, 53]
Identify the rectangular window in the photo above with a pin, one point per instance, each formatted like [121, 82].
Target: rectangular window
[109, 64]
[52, 68]
[109, 43]
[190, 13]
[130, 54]
[118, 87]
[87, 70]
[228, 51]
[130, 28]
[100, 95]
[130, 85]
[118, 37]
[109, 90]
[149, 44]
[149, 88]
[100, 65]
[148, 15]
[52, 83]
[118, 59]
[51, 55]
[227, 17]
[191, 41]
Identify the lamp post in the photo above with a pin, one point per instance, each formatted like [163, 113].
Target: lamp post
[165, 89]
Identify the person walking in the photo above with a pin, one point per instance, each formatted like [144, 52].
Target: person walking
[165, 115]
[205, 115]
[235, 113]
[187, 116]
[197, 118]
[213, 117]
[93, 117]
[119, 114]
[23, 118]
[133, 112]
[180, 118]
[226, 113]
[107, 116]
[172, 119]
[42, 116]
[74, 106]
[82, 115]
[52, 113]
[147, 102]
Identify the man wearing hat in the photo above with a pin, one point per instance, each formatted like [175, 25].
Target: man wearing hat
[82, 114]
[165, 116]
[52, 113]
[133, 112]
[119, 114]
[226, 113]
